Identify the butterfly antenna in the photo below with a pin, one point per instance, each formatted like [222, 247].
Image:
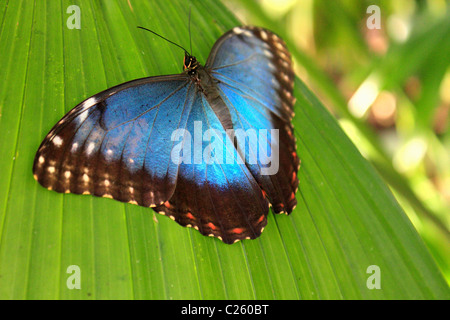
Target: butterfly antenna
[189, 27]
[164, 38]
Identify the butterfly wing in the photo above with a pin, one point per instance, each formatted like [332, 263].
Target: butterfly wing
[116, 144]
[254, 73]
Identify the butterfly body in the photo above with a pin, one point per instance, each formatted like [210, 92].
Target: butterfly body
[120, 143]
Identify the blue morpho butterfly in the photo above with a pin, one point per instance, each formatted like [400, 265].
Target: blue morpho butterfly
[132, 142]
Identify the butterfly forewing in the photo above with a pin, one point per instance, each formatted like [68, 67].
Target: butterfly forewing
[117, 144]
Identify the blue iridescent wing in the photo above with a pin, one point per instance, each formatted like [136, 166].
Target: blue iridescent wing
[117, 143]
[254, 74]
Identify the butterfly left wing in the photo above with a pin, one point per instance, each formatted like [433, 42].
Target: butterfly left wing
[253, 70]
[117, 143]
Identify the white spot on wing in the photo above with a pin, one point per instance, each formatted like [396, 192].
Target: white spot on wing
[41, 159]
[237, 30]
[57, 141]
[268, 54]
[279, 46]
[283, 55]
[247, 33]
[264, 35]
[288, 94]
[89, 103]
[74, 147]
[90, 148]
[82, 116]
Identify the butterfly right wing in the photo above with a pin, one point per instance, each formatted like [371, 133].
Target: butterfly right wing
[117, 143]
[254, 74]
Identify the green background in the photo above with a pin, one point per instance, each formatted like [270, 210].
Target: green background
[346, 220]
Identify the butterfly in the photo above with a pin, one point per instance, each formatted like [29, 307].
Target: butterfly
[132, 142]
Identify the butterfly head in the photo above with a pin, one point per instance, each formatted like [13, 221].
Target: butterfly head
[190, 64]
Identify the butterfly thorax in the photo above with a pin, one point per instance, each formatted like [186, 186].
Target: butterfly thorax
[207, 85]
[191, 68]
[197, 73]
[190, 64]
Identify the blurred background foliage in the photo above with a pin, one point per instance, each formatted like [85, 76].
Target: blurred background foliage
[389, 88]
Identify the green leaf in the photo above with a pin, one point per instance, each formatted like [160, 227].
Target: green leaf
[346, 219]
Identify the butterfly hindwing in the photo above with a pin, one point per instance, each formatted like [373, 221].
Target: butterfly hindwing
[216, 196]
